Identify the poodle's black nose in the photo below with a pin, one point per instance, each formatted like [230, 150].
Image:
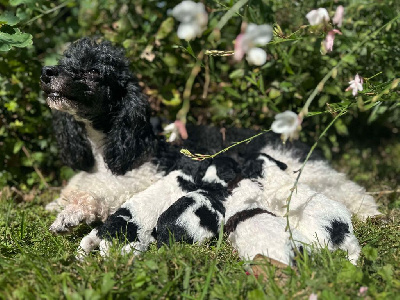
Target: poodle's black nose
[48, 72]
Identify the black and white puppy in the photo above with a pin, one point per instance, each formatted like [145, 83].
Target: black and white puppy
[135, 222]
[258, 206]
[198, 215]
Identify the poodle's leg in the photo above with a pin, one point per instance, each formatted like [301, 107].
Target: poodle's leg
[88, 244]
[334, 185]
[58, 204]
[81, 206]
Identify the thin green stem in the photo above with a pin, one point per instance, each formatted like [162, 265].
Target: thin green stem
[198, 156]
[47, 12]
[233, 10]
[288, 200]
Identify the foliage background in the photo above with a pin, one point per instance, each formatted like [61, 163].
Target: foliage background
[224, 92]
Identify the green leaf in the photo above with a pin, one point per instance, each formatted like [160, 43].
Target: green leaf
[274, 93]
[239, 73]
[350, 273]
[108, 283]
[18, 2]
[387, 273]
[165, 28]
[17, 146]
[18, 39]
[370, 253]
[8, 18]
[232, 92]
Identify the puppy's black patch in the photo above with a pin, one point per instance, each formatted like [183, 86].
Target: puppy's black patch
[337, 231]
[242, 216]
[208, 219]
[119, 225]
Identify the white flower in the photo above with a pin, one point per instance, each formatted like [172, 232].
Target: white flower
[356, 85]
[255, 35]
[338, 17]
[256, 56]
[318, 16]
[287, 124]
[193, 18]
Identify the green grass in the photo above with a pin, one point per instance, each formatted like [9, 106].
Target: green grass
[36, 264]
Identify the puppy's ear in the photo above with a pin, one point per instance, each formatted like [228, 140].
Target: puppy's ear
[201, 171]
[75, 148]
[130, 140]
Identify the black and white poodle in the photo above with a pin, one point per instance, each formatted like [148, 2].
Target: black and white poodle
[102, 124]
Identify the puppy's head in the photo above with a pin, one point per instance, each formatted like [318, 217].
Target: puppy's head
[89, 82]
[221, 169]
[255, 164]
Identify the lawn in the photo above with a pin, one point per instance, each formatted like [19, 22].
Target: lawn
[37, 264]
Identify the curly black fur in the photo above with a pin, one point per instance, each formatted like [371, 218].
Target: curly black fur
[71, 135]
[93, 82]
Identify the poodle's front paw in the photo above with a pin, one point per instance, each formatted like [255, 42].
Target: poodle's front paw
[56, 205]
[65, 221]
[82, 207]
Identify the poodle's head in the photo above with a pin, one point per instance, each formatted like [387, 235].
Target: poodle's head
[90, 82]
[93, 83]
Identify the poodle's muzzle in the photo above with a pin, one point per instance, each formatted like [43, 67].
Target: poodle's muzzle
[64, 91]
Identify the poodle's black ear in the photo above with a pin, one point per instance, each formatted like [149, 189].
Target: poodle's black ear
[75, 148]
[130, 140]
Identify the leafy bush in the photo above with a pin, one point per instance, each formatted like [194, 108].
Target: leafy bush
[199, 81]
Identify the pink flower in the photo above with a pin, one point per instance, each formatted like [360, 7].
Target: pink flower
[363, 291]
[313, 297]
[330, 37]
[338, 17]
[245, 43]
[356, 85]
[177, 130]
[318, 16]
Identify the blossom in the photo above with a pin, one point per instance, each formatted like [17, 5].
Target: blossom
[287, 124]
[318, 16]
[245, 43]
[330, 37]
[176, 130]
[363, 291]
[313, 297]
[356, 85]
[193, 18]
[338, 17]
[256, 56]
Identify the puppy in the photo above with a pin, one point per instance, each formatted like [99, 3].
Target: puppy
[198, 215]
[259, 206]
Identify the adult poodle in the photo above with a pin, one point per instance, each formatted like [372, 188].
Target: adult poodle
[102, 125]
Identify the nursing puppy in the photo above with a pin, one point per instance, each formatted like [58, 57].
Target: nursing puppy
[198, 215]
[259, 207]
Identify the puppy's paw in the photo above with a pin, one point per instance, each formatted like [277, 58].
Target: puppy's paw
[88, 244]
